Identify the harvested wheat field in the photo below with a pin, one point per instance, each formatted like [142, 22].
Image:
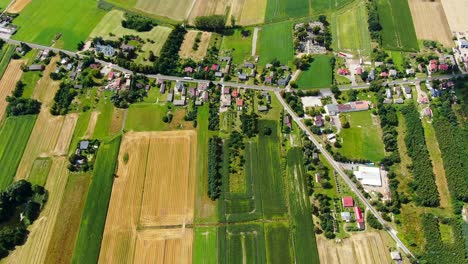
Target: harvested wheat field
[41, 231]
[91, 125]
[18, 6]
[363, 248]
[252, 13]
[430, 21]
[118, 116]
[153, 188]
[177, 10]
[208, 7]
[455, 10]
[7, 84]
[186, 50]
[46, 88]
[66, 134]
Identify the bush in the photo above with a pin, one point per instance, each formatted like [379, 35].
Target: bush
[138, 23]
[215, 23]
[215, 153]
[373, 222]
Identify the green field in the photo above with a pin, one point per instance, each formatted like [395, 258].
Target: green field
[112, 23]
[30, 79]
[276, 41]
[80, 130]
[204, 245]
[349, 34]
[278, 243]
[319, 75]
[88, 243]
[398, 30]
[40, 171]
[14, 136]
[239, 46]
[305, 246]
[241, 243]
[146, 117]
[103, 124]
[5, 55]
[285, 9]
[42, 20]
[363, 139]
[322, 6]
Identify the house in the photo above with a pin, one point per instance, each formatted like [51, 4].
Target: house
[188, 70]
[332, 109]
[343, 108]
[170, 96]
[398, 101]
[110, 76]
[235, 93]
[427, 112]
[392, 73]
[432, 66]
[226, 100]
[410, 71]
[84, 145]
[36, 67]
[219, 74]
[423, 100]
[384, 74]
[249, 65]
[346, 216]
[64, 61]
[107, 50]
[225, 90]
[262, 108]
[126, 48]
[361, 105]
[239, 104]
[180, 102]
[202, 86]
[225, 59]
[358, 217]
[388, 93]
[284, 81]
[215, 67]
[343, 71]
[462, 43]
[359, 70]
[127, 83]
[73, 75]
[395, 255]
[407, 92]
[243, 77]
[268, 80]
[318, 121]
[162, 88]
[287, 121]
[443, 67]
[179, 86]
[347, 201]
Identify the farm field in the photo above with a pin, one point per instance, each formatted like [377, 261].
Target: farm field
[14, 137]
[319, 75]
[18, 6]
[239, 46]
[104, 119]
[431, 22]
[186, 50]
[277, 10]
[39, 171]
[398, 30]
[5, 56]
[46, 88]
[278, 243]
[112, 23]
[148, 117]
[204, 245]
[365, 248]
[156, 183]
[7, 83]
[93, 218]
[456, 15]
[242, 243]
[73, 19]
[207, 8]
[321, 6]
[348, 33]
[249, 12]
[30, 80]
[271, 47]
[363, 139]
[81, 128]
[177, 10]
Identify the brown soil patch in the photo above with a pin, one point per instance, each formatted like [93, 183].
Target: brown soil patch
[117, 120]
[7, 84]
[186, 50]
[18, 6]
[66, 134]
[91, 125]
[361, 248]
[455, 11]
[153, 188]
[430, 21]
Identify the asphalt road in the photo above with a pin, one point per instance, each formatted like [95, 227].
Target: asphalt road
[345, 177]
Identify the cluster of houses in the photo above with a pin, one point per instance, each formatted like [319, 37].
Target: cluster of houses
[181, 92]
[335, 109]
[348, 203]
[436, 65]
[227, 97]
[395, 95]
[307, 39]
[272, 76]
[6, 27]
[219, 69]
[117, 82]
[461, 51]
[84, 156]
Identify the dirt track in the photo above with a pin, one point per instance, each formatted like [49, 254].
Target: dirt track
[18, 6]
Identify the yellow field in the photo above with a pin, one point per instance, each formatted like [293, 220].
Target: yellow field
[186, 50]
[177, 10]
[455, 10]
[208, 7]
[153, 188]
[430, 21]
[251, 13]
[7, 84]
[18, 6]
[92, 124]
[117, 120]
[41, 231]
[66, 134]
[46, 88]
[361, 248]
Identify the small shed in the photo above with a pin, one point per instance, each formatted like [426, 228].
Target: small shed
[84, 144]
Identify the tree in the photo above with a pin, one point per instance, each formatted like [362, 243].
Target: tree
[373, 222]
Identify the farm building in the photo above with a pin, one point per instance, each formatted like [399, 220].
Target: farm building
[369, 176]
[36, 67]
[347, 201]
[334, 109]
[84, 144]
[359, 218]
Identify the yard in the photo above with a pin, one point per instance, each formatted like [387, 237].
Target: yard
[319, 75]
[270, 46]
[363, 139]
[240, 46]
[43, 21]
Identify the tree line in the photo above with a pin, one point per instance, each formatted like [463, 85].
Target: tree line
[215, 153]
[21, 106]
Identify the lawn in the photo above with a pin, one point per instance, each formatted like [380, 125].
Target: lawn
[204, 245]
[239, 46]
[363, 139]
[277, 10]
[398, 30]
[145, 117]
[40, 171]
[30, 79]
[319, 75]
[103, 124]
[112, 23]
[270, 46]
[88, 243]
[14, 137]
[349, 34]
[5, 55]
[42, 20]
[322, 6]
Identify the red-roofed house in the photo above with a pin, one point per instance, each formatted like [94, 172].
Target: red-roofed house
[239, 104]
[188, 69]
[318, 121]
[359, 70]
[443, 67]
[215, 67]
[384, 74]
[343, 71]
[235, 93]
[111, 76]
[347, 201]
[359, 218]
[206, 68]
[433, 65]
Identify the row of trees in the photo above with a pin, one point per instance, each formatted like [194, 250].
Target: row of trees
[374, 23]
[295, 103]
[21, 106]
[169, 55]
[215, 23]
[63, 99]
[215, 153]
[421, 168]
[213, 120]
[138, 23]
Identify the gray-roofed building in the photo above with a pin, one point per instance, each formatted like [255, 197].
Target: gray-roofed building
[284, 81]
[170, 96]
[346, 216]
[162, 88]
[36, 67]
[73, 75]
[262, 108]
[225, 59]
[331, 109]
[388, 93]
[84, 144]
[180, 86]
[243, 77]
[198, 102]
[180, 102]
[407, 92]
[249, 65]
[78, 86]
[107, 50]
[219, 74]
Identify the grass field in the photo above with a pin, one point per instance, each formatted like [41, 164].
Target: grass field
[305, 245]
[7, 83]
[285, 9]
[88, 242]
[5, 55]
[349, 34]
[323, 6]
[249, 13]
[271, 46]
[30, 80]
[80, 130]
[148, 117]
[73, 19]
[241, 243]
[278, 243]
[363, 139]
[319, 75]
[14, 136]
[398, 30]
[104, 120]
[177, 10]
[205, 244]
[111, 23]
[240, 47]
[39, 171]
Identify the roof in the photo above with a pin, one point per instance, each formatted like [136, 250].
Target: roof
[84, 144]
[262, 108]
[368, 175]
[36, 67]
[346, 215]
[344, 107]
[225, 90]
[395, 255]
[347, 201]
[358, 214]
[239, 102]
[361, 105]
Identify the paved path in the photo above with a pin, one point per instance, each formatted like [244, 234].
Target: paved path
[345, 177]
